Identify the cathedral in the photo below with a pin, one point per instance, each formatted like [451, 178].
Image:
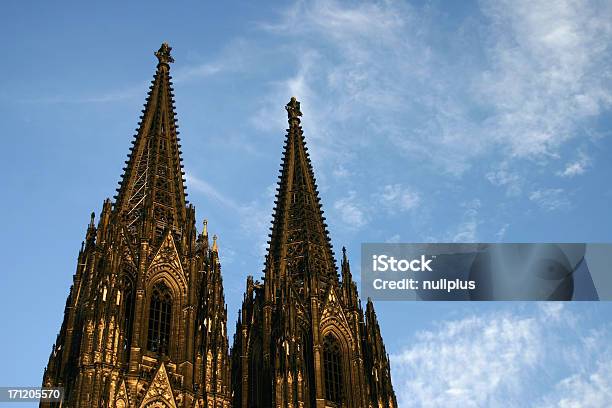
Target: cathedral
[145, 322]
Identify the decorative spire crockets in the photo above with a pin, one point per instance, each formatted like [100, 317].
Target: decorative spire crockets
[301, 338]
[152, 191]
[145, 320]
[299, 240]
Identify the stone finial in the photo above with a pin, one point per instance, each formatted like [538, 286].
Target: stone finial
[163, 54]
[293, 109]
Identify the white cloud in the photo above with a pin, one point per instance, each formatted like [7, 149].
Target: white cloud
[350, 211]
[551, 199]
[576, 167]
[591, 389]
[467, 230]
[269, 117]
[547, 71]
[470, 362]
[395, 197]
[503, 177]
[507, 359]
[552, 310]
[501, 233]
[521, 94]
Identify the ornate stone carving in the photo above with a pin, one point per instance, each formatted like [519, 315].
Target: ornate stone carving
[148, 234]
[163, 54]
[160, 392]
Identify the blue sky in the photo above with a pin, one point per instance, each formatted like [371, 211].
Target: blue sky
[426, 121]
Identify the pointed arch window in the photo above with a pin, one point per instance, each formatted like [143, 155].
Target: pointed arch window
[332, 364]
[160, 316]
[128, 315]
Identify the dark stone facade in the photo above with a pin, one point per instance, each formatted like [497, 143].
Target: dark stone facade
[145, 323]
[301, 339]
[145, 320]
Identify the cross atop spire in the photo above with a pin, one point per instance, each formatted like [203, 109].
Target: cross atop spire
[163, 54]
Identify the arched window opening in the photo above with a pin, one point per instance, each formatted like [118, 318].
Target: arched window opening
[128, 315]
[332, 363]
[160, 314]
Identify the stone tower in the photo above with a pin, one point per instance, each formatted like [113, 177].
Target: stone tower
[301, 339]
[145, 320]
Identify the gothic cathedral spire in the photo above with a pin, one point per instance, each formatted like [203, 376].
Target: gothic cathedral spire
[299, 240]
[145, 320]
[152, 191]
[301, 339]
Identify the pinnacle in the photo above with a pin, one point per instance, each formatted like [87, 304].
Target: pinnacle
[163, 54]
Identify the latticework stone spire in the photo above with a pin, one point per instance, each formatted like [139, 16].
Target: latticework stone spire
[299, 241]
[152, 192]
[145, 321]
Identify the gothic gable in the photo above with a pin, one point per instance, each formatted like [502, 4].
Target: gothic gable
[159, 393]
[333, 315]
[167, 259]
[121, 399]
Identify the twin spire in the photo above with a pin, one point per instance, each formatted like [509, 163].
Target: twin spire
[152, 193]
[152, 190]
[299, 240]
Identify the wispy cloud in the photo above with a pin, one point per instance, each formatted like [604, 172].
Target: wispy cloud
[550, 199]
[501, 233]
[350, 211]
[516, 97]
[467, 230]
[502, 176]
[211, 192]
[552, 310]
[198, 71]
[254, 216]
[470, 362]
[395, 197]
[590, 389]
[228, 61]
[507, 358]
[545, 74]
[576, 167]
